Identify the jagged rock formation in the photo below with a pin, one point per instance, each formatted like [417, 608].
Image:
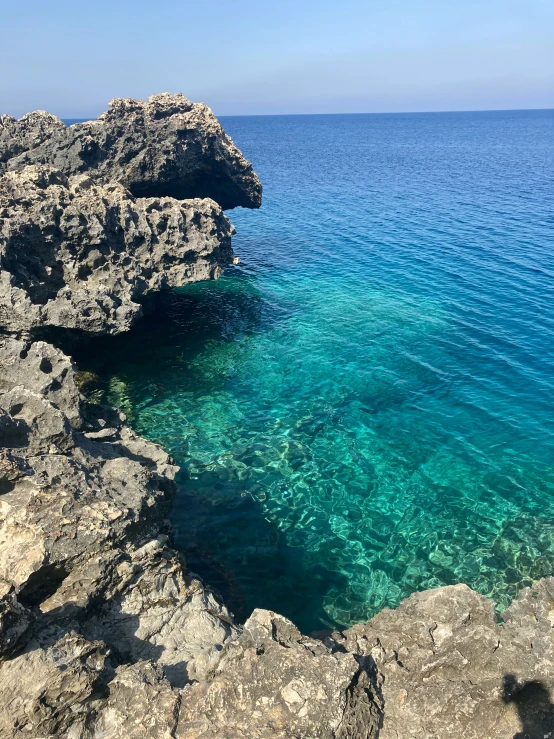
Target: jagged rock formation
[103, 630]
[165, 147]
[25, 134]
[448, 668]
[80, 256]
[80, 521]
[288, 685]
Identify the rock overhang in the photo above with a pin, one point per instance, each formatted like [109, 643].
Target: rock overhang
[166, 146]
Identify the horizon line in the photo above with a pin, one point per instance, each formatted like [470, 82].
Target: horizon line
[380, 112]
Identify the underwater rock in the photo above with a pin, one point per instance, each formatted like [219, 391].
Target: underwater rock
[79, 256]
[164, 147]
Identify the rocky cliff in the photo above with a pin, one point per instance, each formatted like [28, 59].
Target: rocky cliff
[164, 147]
[103, 630]
[79, 256]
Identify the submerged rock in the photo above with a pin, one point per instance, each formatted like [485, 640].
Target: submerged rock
[164, 147]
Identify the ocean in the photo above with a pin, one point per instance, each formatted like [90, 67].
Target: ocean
[364, 407]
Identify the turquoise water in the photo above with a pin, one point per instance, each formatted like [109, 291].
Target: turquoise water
[364, 407]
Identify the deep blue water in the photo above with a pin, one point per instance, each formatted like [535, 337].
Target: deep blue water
[364, 407]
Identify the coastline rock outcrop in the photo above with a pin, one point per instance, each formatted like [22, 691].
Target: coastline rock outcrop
[87, 582]
[104, 632]
[287, 685]
[449, 668]
[79, 256]
[25, 134]
[95, 606]
[164, 147]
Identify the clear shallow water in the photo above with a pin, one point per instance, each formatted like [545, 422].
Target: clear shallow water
[364, 407]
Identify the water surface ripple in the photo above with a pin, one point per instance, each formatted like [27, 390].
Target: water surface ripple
[363, 408]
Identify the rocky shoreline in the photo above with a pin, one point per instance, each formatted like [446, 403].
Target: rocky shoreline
[103, 630]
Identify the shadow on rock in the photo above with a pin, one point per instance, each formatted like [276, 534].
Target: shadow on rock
[534, 707]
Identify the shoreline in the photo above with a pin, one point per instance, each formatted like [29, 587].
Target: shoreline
[103, 631]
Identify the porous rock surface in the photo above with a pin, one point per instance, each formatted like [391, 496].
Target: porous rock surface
[104, 633]
[166, 146]
[79, 256]
[448, 668]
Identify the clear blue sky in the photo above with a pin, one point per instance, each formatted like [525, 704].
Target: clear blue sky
[282, 56]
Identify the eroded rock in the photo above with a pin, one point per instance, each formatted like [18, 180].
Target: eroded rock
[14, 619]
[85, 573]
[274, 683]
[46, 691]
[146, 606]
[25, 134]
[80, 257]
[164, 147]
[75, 496]
[449, 669]
[141, 705]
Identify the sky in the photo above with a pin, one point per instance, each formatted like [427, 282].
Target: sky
[245, 57]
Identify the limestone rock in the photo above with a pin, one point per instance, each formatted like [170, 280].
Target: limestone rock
[166, 146]
[84, 571]
[74, 496]
[140, 705]
[43, 370]
[273, 683]
[450, 670]
[14, 619]
[145, 606]
[45, 690]
[25, 134]
[74, 255]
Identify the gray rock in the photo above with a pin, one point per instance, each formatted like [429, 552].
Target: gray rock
[83, 568]
[42, 370]
[145, 606]
[74, 255]
[77, 496]
[25, 134]
[14, 619]
[165, 147]
[45, 691]
[449, 669]
[140, 705]
[274, 683]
